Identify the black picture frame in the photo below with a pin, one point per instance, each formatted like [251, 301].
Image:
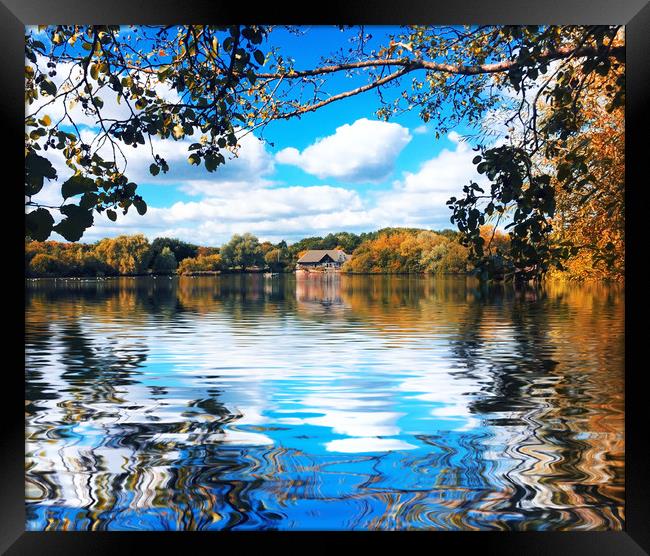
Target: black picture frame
[635, 14]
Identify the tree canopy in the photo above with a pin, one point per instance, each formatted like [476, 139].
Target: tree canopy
[180, 249]
[224, 82]
[242, 251]
[165, 262]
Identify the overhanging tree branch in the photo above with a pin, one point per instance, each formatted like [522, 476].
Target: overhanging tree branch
[478, 69]
[353, 92]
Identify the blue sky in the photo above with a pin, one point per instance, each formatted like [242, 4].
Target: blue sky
[339, 168]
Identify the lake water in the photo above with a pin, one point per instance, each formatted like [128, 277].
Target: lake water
[354, 403]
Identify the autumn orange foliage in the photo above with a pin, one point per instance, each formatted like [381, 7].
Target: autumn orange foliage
[592, 218]
[407, 251]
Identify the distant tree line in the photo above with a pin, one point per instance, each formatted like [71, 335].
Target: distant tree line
[392, 250]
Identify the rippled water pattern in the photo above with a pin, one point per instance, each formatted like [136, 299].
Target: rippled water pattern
[244, 402]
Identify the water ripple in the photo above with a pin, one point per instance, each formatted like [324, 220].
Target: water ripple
[362, 403]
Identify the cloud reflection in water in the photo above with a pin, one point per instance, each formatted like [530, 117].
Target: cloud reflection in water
[349, 403]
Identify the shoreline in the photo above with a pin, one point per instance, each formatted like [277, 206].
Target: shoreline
[318, 276]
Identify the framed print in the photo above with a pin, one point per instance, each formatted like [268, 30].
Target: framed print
[360, 277]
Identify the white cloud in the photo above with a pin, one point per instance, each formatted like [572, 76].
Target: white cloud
[276, 212]
[358, 423]
[419, 198]
[248, 170]
[242, 196]
[370, 444]
[70, 75]
[262, 204]
[364, 151]
[269, 212]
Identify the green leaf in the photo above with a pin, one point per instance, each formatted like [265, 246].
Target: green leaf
[563, 171]
[36, 169]
[259, 57]
[130, 188]
[77, 220]
[140, 205]
[154, 169]
[38, 132]
[38, 224]
[48, 87]
[88, 200]
[76, 185]
[476, 160]
[211, 163]
[112, 215]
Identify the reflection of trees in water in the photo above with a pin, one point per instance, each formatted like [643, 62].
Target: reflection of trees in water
[92, 381]
[549, 387]
[242, 299]
[93, 387]
[87, 380]
[535, 391]
[561, 421]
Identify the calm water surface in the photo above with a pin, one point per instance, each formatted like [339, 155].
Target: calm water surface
[244, 402]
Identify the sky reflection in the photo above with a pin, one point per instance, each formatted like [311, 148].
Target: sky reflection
[354, 403]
